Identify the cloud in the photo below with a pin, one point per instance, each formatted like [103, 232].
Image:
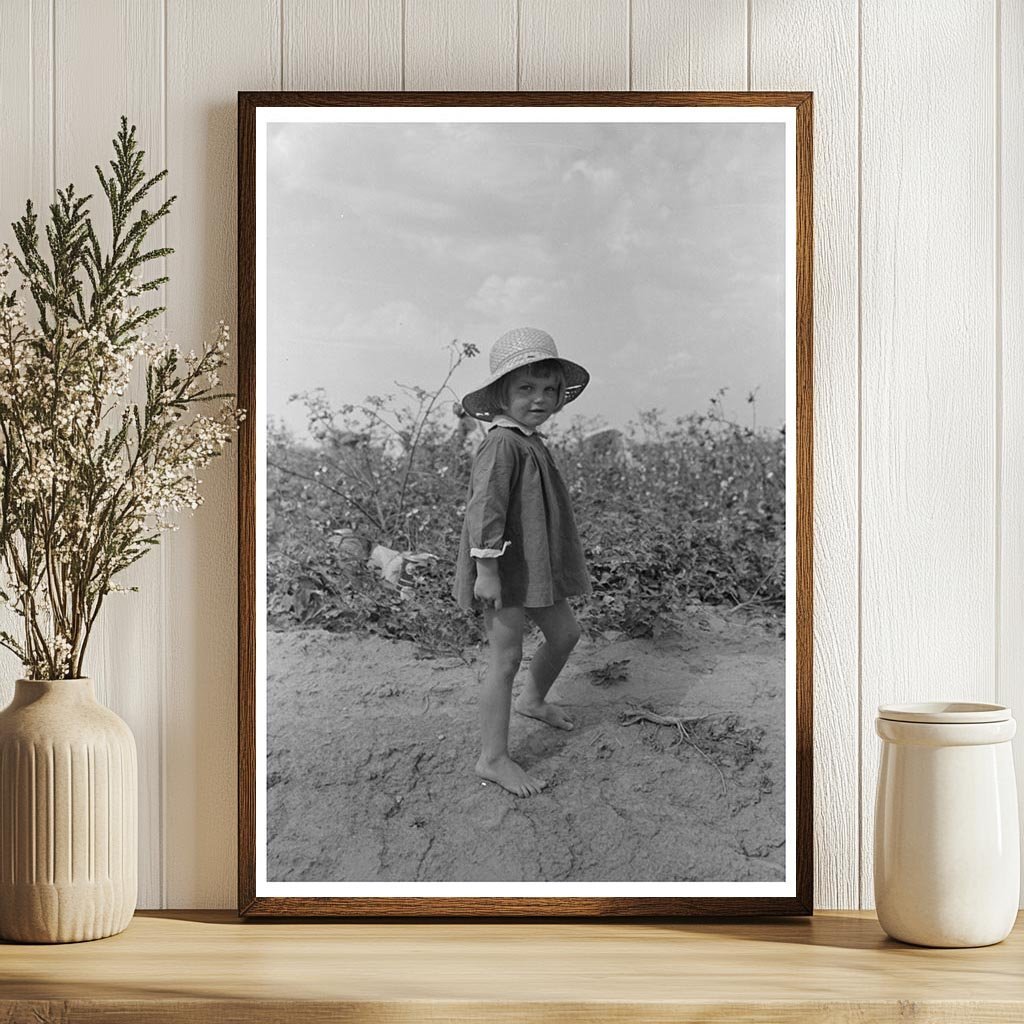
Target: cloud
[622, 234]
[393, 325]
[602, 179]
[511, 298]
[652, 252]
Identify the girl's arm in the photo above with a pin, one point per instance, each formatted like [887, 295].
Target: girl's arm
[494, 470]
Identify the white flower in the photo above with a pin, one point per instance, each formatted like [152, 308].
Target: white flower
[77, 469]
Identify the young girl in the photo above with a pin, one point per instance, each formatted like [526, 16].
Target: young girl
[520, 553]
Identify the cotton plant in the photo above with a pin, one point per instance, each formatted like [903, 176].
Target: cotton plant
[88, 478]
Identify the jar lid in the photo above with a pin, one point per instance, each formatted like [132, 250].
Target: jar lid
[945, 712]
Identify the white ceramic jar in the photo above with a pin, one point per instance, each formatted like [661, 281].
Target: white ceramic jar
[947, 847]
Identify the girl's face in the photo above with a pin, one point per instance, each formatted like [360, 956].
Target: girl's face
[531, 398]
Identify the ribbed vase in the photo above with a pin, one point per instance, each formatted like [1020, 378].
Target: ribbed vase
[68, 815]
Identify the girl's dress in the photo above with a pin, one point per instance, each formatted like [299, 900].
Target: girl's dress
[519, 504]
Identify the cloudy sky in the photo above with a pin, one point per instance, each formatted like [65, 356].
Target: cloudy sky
[653, 253]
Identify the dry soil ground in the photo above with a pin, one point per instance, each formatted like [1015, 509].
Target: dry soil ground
[370, 755]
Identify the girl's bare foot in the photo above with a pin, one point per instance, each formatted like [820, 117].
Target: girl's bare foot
[507, 774]
[552, 714]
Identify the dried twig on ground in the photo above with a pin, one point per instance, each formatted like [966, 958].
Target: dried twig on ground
[680, 724]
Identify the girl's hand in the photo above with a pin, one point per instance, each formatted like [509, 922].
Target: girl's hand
[488, 590]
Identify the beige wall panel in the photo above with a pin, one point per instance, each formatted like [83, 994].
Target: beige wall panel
[26, 107]
[574, 44]
[213, 51]
[460, 45]
[122, 657]
[815, 47]
[339, 45]
[1010, 677]
[26, 171]
[928, 458]
[691, 44]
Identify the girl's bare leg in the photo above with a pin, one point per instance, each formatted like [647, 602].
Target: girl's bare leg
[561, 634]
[505, 651]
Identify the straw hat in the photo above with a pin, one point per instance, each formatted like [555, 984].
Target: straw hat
[520, 347]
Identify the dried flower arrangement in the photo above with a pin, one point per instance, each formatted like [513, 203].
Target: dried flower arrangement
[88, 478]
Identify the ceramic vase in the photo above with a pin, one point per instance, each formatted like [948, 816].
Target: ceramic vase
[947, 847]
[68, 815]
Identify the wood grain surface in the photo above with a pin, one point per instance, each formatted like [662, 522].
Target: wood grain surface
[200, 967]
[574, 44]
[129, 81]
[230, 45]
[928, 372]
[1010, 368]
[466, 45]
[26, 127]
[342, 44]
[689, 44]
[792, 48]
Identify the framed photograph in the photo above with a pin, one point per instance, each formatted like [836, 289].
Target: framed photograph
[525, 501]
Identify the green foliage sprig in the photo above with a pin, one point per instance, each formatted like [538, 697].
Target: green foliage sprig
[88, 479]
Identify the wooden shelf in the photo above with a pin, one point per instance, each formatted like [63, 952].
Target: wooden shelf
[208, 966]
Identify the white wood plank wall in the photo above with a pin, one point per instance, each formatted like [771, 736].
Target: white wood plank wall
[919, 316]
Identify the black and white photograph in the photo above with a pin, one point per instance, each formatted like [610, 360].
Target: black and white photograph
[525, 499]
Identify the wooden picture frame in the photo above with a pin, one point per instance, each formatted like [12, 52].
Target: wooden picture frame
[259, 896]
